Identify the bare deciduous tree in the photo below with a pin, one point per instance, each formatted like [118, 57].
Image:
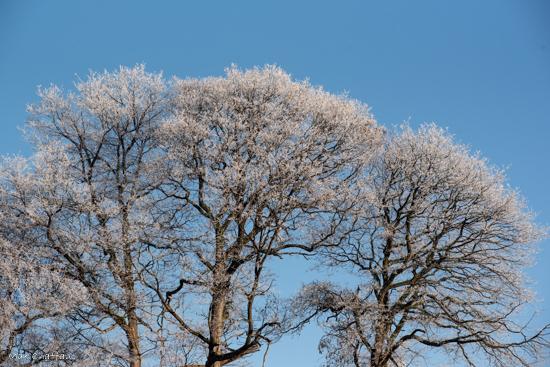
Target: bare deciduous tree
[154, 209]
[87, 197]
[262, 166]
[439, 246]
[246, 167]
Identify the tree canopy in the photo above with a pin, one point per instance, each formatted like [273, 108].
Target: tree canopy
[141, 230]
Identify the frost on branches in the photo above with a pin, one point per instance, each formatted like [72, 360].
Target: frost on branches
[165, 201]
[141, 231]
[438, 245]
[34, 296]
[87, 200]
[261, 166]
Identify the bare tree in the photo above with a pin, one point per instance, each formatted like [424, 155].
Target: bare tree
[262, 166]
[439, 246]
[165, 204]
[156, 209]
[87, 198]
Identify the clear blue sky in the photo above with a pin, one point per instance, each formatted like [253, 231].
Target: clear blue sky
[480, 68]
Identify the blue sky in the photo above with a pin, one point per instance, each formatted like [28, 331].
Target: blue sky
[480, 68]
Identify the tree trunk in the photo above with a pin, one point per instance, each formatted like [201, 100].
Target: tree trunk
[133, 342]
[216, 330]
[377, 356]
[217, 306]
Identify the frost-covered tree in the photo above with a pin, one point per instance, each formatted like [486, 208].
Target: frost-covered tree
[438, 245]
[144, 224]
[85, 202]
[261, 166]
[164, 204]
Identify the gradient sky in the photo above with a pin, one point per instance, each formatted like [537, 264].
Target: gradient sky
[479, 68]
